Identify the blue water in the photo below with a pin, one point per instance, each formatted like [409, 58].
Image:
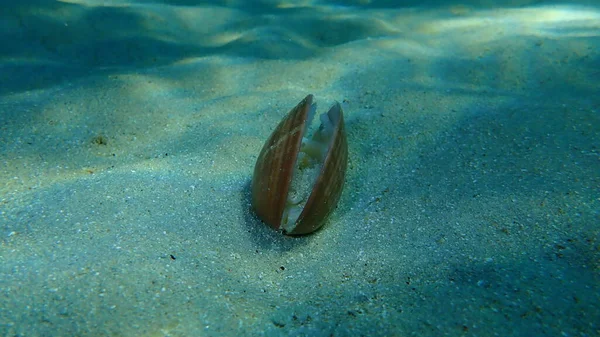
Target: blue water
[129, 131]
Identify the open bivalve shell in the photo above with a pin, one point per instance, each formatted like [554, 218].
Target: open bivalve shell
[298, 180]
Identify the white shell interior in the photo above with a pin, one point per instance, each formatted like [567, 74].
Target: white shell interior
[308, 166]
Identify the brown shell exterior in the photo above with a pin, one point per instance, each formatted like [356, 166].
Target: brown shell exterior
[275, 166]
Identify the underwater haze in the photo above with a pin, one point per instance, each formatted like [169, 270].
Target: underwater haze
[129, 132]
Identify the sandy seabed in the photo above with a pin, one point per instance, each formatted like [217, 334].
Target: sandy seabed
[129, 132]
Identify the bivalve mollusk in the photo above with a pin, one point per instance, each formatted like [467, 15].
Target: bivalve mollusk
[298, 179]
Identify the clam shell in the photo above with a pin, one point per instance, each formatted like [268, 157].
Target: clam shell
[275, 167]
